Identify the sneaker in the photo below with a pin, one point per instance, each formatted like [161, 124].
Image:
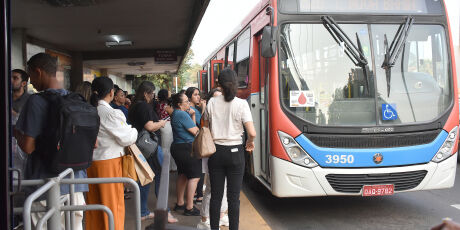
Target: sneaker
[204, 225]
[224, 221]
[179, 207]
[192, 212]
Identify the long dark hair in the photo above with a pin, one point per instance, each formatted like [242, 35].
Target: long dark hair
[211, 93]
[144, 87]
[227, 80]
[163, 95]
[101, 87]
[189, 92]
[176, 99]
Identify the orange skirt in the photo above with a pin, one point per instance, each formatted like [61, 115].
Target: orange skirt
[110, 195]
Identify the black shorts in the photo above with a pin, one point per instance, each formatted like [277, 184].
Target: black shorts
[186, 164]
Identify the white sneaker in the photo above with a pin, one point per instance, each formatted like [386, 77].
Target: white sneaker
[224, 221]
[204, 225]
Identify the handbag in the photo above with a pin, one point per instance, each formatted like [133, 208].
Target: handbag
[143, 170]
[129, 169]
[203, 146]
[147, 142]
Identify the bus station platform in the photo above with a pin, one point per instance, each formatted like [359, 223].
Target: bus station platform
[250, 219]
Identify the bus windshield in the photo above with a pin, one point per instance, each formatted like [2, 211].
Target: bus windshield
[321, 84]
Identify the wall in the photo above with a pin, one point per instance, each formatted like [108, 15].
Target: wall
[17, 49]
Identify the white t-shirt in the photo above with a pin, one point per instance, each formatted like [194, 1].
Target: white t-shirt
[226, 119]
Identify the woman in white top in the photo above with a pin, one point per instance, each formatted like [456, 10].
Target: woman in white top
[227, 117]
[114, 135]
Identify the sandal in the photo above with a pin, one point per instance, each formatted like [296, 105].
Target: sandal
[198, 200]
[149, 216]
[172, 219]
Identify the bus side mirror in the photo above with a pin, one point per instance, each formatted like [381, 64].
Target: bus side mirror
[269, 41]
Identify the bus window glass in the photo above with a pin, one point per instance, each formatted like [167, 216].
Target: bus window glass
[314, 67]
[242, 59]
[419, 84]
[231, 51]
[316, 71]
[204, 81]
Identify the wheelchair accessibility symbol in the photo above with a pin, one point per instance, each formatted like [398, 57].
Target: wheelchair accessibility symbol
[389, 112]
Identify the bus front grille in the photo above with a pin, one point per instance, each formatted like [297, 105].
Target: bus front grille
[353, 183]
[359, 141]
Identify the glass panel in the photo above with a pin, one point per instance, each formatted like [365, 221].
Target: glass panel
[243, 73]
[319, 82]
[419, 84]
[242, 49]
[231, 51]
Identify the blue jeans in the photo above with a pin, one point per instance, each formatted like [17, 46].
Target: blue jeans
[144, 190]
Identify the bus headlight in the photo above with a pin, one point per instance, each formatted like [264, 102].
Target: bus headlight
[296, 152]
[446, 149]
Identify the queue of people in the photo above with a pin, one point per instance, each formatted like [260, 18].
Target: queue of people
[175, 119]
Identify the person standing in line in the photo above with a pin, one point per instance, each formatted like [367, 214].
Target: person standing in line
[227, 116]
[143, 116]
[164, 110]
[84, 89]
[119, 101]
[19, 80]
[184, 127]
[32, 126]
[205, 223]
[193, 95]
[114, 135]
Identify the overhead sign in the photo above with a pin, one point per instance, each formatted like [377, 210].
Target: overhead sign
[165, 56]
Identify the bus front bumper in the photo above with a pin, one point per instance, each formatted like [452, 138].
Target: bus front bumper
[291, 180]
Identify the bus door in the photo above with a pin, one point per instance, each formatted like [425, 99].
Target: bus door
[216, 67]
[263, 113]
[204, 81]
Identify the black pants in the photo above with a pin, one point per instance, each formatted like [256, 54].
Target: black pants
[227, 162]
[199, 187]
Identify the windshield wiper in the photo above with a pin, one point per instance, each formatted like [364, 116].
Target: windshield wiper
[392, 52]
[355, 53]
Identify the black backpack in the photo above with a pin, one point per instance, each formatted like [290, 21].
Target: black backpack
[69, 138]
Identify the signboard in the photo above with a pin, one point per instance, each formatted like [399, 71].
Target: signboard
[389, 112]
[363, 6]
[165, 56]
[301, 98]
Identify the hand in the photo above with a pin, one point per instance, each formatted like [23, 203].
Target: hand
[191, 112]
[203, 104]
[162, 123]
[14, 113]
[447, 225]
[249, 146]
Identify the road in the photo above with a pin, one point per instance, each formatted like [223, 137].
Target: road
[413, 210]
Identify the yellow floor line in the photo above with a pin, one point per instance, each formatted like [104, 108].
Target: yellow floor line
[250, 219]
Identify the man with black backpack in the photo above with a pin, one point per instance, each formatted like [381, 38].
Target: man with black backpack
[58, 130]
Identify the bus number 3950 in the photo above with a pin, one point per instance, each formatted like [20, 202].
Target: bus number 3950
[342, 159]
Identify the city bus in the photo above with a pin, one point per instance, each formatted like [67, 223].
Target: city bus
[349, 97]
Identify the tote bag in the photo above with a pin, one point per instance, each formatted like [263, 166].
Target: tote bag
[203, 146]
[143, 170]
[129, 169]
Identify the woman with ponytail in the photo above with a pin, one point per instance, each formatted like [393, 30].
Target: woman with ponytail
[227, 116]
[114, 135]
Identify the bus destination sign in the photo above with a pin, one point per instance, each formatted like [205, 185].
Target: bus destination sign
[362, 6]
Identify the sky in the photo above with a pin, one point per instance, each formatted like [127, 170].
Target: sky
[222, 16]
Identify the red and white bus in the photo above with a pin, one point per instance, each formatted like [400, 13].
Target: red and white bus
[349, 97]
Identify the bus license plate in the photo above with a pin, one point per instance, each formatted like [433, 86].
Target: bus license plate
[378, 190]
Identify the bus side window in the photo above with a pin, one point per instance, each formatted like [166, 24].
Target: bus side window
[242, 59]
[230, 55]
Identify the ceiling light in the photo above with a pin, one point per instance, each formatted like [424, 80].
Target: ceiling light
[121, 43]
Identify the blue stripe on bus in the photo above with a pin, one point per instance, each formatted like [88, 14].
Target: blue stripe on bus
[397, 156]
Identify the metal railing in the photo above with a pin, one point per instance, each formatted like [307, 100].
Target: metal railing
[55, 204]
